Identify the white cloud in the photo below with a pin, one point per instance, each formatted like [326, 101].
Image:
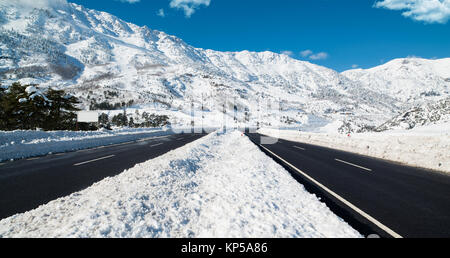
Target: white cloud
[288, 53]
[319, 56]
[306, 53]
[313, 56]
[355, 66]
[429, 11]
[129, 1]
[189, 6]
[161, 13]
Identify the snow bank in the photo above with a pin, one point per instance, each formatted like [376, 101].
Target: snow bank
[25, 144]
[426, 147]
[218, 186]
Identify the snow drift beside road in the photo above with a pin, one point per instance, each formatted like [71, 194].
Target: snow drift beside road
[426, 147]
[218, 186]
[26, 144]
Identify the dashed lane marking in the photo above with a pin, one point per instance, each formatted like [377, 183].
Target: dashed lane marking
[90, 161]
[351, 164]
[335, 195]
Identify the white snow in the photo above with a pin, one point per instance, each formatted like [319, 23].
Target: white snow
[102, 53]
[24, 144]
[218, 186]
[406, 79]
[155, 69]
[426, 147]
[31, 89]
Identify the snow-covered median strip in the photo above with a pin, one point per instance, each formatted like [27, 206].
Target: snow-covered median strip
[26, 144]
[426, 147]
[218, 186]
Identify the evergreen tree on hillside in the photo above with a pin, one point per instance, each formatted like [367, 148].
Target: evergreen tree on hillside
[103, 119]
[62, 108]
[120, 119]
[131, 122]
[152, 120]
[35, 109]
[2, 112]
[13, 107]
[26, 107]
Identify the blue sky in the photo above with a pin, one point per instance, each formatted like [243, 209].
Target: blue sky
[339, 34]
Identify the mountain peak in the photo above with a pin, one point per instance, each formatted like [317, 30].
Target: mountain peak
[35, 4]
[101, 58]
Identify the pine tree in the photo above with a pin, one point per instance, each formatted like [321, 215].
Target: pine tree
[2, 112]
[103, 119]
[125, 118]
[120, 120]
[35, 109]
[13, 115]
[62, 107]
[131, 123]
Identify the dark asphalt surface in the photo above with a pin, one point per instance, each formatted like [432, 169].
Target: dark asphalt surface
[410, 201]
[26, 184]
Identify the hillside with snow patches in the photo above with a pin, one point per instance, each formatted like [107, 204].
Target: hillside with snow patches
[98, 57]
[423, 115]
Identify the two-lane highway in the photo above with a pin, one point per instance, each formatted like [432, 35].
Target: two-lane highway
[28, 183]
[392, 199]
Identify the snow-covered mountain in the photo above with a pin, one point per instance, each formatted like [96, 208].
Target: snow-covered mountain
[407, 79]
[422, 115]
[99, 57]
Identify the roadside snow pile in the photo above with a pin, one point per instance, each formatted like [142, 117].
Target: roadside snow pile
[25, 144]
[426, 147]
[218, 186]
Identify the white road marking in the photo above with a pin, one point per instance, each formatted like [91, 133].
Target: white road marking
[351, 164]
[1, 164]
[30, 159]
[82, 163]
[151, 138]
[180, 139]
[350, 205]
[159, 137]
[300, 148]
[59, 154]
[141, 140]
[156, 145]
[120, 144]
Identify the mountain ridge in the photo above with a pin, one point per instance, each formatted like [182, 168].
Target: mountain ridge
[90, 53]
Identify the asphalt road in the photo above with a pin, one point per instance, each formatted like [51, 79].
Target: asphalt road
[26, 184]
[378, 196]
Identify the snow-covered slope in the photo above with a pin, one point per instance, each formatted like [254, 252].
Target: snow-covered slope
[423, 115]
[407, 79]
[98, 57]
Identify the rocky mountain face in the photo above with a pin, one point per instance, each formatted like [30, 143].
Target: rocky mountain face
[106, 61]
